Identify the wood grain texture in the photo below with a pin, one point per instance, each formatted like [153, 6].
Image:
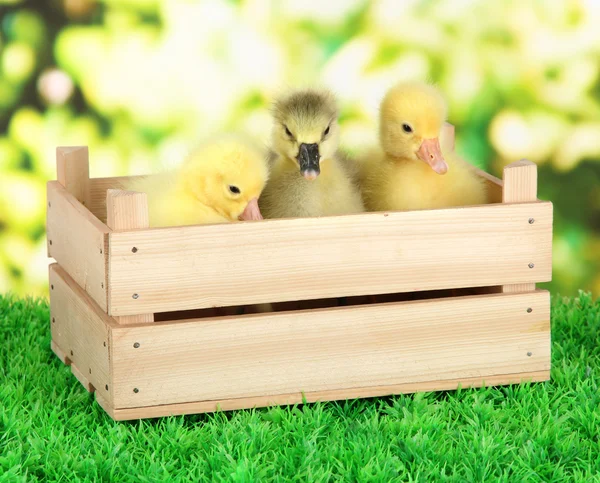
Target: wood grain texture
[447, 137]
[128, 210]
[73, 171]
[493, 184]
[80, 332]
[299, 398]
[98, 192]
[331, 349]
[520, 185]
[302, 259]
[78, 241]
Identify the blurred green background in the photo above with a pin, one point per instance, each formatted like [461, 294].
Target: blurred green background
[141, 81]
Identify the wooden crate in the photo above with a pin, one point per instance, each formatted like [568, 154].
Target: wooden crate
[431, 300]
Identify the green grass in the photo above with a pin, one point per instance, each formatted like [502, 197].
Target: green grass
[51, 429]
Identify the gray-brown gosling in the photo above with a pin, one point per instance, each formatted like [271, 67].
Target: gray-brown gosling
[307, 177]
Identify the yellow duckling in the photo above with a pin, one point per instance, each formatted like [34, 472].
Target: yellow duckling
[408, 171]
[307, 177]
[218, 183]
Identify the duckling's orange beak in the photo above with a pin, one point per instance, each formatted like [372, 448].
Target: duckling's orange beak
[252, 211]
[431, 153]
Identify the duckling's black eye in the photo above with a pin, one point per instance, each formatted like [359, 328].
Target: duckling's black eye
[287, 131]
[406, 128]
[326, 132]
[234, 189]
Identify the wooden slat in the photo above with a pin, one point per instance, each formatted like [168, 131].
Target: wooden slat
[301, 259]
[520, 185]
[73, 171]
[493, 184]
[447, 137]
[331, 349]
[98, 190]
[78, 241]
[520, 182]
[298, 398]
[128, 210]
[80, 332]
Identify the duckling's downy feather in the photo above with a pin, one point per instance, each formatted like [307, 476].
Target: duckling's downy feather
[308, 117]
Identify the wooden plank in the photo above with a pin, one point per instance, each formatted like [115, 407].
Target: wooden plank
[447, 137]
[194, 267]
[80, 332]
[520, 182]
[78, 241]
[73, 171]
[60, 354]
[299, 398]
[128, 210]
[493, 184]
[331, 349]
[520, 185]
[98, 191]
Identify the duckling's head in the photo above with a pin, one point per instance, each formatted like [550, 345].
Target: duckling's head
[305, 130]
[228, 175]
[411, 118]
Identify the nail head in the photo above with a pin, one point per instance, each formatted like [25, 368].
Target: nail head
[529, 354]
[136, 390]
[50, 242]
[529, 310]
[53, 320]
[51, 287]
[134, 249]
[531, 265]
[71, 352]
[106, 387]
[135, 296]
[531, 221]
[136, 345]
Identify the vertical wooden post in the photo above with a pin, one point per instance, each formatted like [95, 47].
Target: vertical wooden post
[73, 171]
[520, 185]
[126, 210]
[447, 137]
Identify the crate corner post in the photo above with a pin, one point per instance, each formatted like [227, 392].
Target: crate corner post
[520, 186]
[73, 171]
[126, 210]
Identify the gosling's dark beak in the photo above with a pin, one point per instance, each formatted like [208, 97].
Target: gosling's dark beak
[308, 158]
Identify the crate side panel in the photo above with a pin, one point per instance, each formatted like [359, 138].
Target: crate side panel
[281, 260]
[331, 349]
[77, 241]
[79, 331]
[299, 398]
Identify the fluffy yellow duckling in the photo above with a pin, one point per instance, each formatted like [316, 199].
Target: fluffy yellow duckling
[219, 182]
[307, 177]
[408, 171]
